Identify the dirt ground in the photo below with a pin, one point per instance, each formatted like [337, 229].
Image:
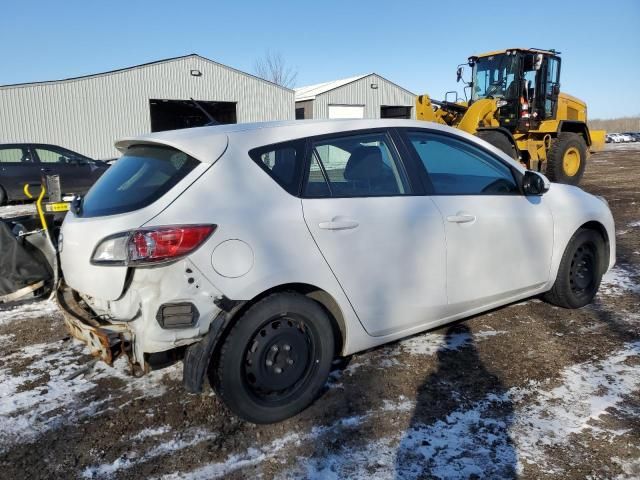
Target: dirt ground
[527, 391]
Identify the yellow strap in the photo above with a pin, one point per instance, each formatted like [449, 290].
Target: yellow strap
[39, 207]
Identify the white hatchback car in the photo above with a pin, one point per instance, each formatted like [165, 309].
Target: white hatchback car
[259, 253]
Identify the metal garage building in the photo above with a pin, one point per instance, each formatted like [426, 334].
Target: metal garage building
[89, 113]
[364, 96]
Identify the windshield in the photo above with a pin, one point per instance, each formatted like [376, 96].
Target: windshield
[141, 176]
[495, 76]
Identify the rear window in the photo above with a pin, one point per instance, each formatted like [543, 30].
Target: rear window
[141, 176]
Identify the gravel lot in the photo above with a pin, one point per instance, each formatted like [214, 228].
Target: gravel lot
[528, 391]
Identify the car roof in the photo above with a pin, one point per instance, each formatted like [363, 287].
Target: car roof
[207, 144]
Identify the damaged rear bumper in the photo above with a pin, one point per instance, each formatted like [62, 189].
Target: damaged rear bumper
[106, 341]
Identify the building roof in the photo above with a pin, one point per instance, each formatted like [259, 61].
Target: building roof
[120, 70]
[311, 91]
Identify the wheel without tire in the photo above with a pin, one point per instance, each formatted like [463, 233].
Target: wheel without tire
[498, 140]
[580, 271]
[567, 158]
[276, 358]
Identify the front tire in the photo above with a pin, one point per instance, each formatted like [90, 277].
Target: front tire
[498, 140]
[580, 271]
[276, 359]
[567, 159]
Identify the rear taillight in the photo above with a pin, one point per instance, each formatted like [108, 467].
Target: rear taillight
[150, 246]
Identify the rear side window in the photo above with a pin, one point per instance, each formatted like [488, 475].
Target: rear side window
[283, 162]
[137, 179]
[361, 165]
[14, 155]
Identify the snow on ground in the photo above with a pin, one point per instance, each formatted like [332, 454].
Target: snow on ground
[27, 311]
[422, 344]
[173, 445]
[491, 438]
[41, 396]
[620, 280]
[39, 388]
[430, 343]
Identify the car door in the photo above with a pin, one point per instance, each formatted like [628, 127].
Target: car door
[17, 168]
[383, 240]
[499, 241]
[74, 171]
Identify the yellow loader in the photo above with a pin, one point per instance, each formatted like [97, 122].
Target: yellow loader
[516, 105]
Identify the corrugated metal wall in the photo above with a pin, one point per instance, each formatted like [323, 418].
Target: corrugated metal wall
[307, 105]
[89, 114]
[361, 93]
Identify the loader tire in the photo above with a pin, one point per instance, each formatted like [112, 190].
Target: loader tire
[498, 140]
[567, 159]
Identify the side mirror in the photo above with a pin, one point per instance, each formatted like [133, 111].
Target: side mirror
[534, 183]
[555, 90]
[459, 74]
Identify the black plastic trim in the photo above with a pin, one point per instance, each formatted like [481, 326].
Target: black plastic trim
[165, 314]
[198, 355]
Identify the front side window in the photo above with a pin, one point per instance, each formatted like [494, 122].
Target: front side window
[141, 176]
[354, 166]
[456, 167]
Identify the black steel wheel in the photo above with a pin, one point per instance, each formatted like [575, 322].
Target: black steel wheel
[276, 358]
[279, 359]
[581, 268]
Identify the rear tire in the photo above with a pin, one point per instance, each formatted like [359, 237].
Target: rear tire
[498, 140]
[580, 271]
[567, 159]
[276, 359]
[3, 196]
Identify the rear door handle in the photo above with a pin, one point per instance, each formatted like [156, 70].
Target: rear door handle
[461, 218]
[337, 224]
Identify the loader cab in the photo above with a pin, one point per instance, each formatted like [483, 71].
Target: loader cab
[525, 83]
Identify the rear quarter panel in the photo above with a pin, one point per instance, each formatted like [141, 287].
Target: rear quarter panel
[247, 205]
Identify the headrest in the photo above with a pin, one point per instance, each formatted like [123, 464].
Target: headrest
[365, 163]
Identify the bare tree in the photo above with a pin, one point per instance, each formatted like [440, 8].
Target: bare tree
[273, 68]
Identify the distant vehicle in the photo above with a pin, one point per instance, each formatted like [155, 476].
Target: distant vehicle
[260, 253]
[615, 137]
[22, 163]
[635, 136]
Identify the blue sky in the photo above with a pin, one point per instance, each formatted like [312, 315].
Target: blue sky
[415, 44]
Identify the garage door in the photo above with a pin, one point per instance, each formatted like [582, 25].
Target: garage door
[346, 111]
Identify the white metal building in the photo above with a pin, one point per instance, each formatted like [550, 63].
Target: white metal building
[87, 114]
[364, 96]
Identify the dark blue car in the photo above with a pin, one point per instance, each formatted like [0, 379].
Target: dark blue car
[22, 163]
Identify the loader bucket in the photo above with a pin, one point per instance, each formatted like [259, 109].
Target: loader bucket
[597, 140]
